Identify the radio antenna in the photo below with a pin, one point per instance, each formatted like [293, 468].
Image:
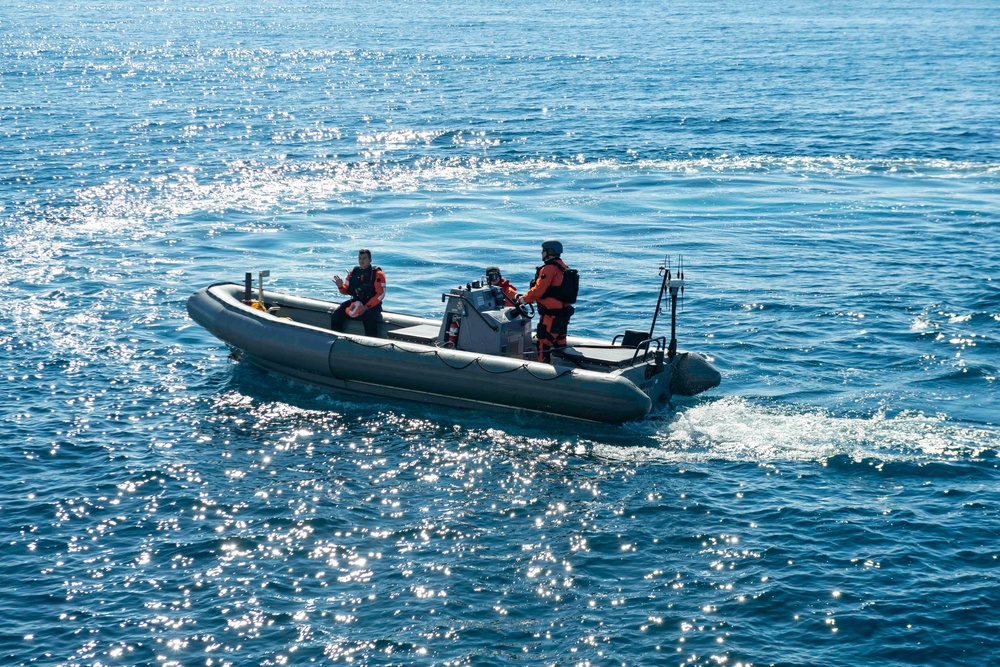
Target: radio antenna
[674, 286]
[665, 274]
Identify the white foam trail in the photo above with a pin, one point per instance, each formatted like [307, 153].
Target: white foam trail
[739, 429]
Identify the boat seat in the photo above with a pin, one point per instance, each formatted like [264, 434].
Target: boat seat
[632, 338]
[425, 334]
[603, 356]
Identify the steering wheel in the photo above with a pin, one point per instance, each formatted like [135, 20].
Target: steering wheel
[525, 310]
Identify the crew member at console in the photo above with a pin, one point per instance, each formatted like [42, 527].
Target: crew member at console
[553, 290]
[366, 286]
[494, 278]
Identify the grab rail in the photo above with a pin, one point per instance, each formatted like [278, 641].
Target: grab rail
[659, 341]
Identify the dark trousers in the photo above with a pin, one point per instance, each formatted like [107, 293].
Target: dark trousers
[551, 332]
[370, 319]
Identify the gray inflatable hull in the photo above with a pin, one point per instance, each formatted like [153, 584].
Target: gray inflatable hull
[347, 362]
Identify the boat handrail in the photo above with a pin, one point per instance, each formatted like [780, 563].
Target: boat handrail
[659, 341]
[661, 344]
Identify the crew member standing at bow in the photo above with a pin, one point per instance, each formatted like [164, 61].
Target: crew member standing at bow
[366, 287]
[553, 291]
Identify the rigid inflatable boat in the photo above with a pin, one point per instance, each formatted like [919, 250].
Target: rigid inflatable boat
[479, 354]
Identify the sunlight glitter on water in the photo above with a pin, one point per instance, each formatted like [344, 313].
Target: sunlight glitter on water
[166, 506]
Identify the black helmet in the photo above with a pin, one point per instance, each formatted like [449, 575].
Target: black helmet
[552, 246]
[493, 273]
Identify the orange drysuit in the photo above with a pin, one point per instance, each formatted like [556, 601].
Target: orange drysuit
[509, 291]
[553, 314]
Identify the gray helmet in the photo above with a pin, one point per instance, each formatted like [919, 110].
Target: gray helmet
[552, 246]
[493, 272]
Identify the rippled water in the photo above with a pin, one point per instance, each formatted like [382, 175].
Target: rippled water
[831, 176]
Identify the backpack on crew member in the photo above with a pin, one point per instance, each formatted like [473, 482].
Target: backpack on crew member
[570, 287]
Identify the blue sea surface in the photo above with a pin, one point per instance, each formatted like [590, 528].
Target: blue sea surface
[830, 173]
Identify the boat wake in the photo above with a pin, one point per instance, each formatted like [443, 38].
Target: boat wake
[741, 429]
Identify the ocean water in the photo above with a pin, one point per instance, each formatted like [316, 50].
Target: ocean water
[830, 173]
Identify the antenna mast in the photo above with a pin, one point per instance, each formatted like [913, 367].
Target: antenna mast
[674, 287]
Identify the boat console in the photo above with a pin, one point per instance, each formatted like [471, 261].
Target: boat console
[476, 320]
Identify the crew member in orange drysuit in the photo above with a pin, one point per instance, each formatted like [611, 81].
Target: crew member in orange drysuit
[366, 285]
[554, 313]
[494, 278]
